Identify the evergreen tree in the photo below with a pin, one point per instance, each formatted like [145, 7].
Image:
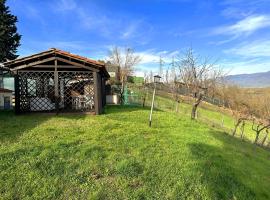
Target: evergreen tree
[9, 38]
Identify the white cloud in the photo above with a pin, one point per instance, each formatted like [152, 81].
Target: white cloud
[235, 12]
[150, 61]
[245, 26]
[258, 48]
[107, 24]
[153, 57]
[246, 66]
[65, 5]
[131, 30]
[251, 57]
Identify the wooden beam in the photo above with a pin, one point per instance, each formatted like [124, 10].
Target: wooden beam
[56, 89]
[32, 64]
[28, 57]
[97, 97]
[17, 94]
[103, 92]
[58, 66]
[77, 64]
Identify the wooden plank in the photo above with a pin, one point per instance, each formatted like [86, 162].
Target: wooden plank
[37, 64]
[18, 60]
[17, 94]
[97, 96]
[58, 66]
[78, 64]
[56, 92]
[103, 92]
[32, 64]
[52, 71]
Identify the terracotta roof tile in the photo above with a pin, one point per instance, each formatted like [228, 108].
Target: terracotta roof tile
[91, 61]
[3, 90]
[55, 52]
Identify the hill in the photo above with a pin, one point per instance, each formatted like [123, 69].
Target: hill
[256, 80]
[117, 156]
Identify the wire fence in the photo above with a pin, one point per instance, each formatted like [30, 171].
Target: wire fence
[215, 116]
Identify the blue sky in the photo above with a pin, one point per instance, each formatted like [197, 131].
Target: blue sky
[235, 32]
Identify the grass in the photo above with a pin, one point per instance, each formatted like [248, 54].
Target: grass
[117, 156]
[207, 113]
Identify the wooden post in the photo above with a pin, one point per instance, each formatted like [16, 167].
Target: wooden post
[97, 98]
[17, 93]
[152, 106]
[103, 92]
[56, 92]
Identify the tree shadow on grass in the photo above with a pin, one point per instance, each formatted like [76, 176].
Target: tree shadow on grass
[12, 126]
[217, 174]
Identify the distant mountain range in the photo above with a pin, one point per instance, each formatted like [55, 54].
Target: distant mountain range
[256, 80]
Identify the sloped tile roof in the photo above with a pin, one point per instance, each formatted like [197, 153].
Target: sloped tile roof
[3, 90]
[54, 52]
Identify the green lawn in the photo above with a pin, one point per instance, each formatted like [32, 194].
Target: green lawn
[207, 113]
[117, 156]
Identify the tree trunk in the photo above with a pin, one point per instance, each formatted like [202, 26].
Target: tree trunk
[195, 106]
[144, 98]
[257, 137]
[265, 137]
[222, 121]
[236, 126]
[242, 129]
[177, 107]
[122, 92]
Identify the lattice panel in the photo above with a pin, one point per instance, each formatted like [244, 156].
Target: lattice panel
[76, 91]
[36, 91]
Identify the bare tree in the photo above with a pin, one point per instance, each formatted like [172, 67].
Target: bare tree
[258, 127]
[200, 77]
[145, 77]
[246, 105]
[260, 109]
[145, 89]
[126, 59]
[235, 100]
[242, 129]
[175, 85]
[265, 137]
[173, 73]
[167, 76]
[151, 77]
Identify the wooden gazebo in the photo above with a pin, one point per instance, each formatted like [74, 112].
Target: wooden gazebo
[58, 81]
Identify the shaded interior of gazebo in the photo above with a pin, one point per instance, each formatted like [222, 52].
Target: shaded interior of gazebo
[58, 81]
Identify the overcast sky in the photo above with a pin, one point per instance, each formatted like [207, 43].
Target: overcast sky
[235, 32]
